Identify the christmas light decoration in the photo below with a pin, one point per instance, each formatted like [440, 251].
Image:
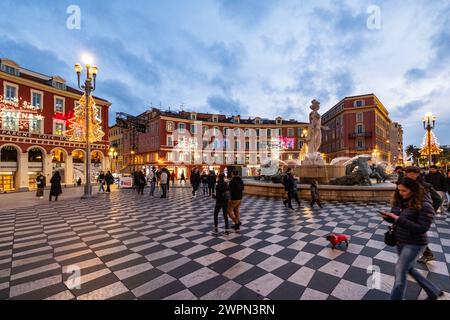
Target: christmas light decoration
[434, 145]
[77, 125]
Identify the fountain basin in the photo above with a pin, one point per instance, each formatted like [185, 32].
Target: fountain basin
[377, 193]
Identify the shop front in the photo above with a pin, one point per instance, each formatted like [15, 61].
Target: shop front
[8, 168]
[35, 166]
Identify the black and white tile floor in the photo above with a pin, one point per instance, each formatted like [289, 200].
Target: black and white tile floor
[127, 246]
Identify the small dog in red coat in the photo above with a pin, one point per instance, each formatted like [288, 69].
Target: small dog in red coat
[337, 239]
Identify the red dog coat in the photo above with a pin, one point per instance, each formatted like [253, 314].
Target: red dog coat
[337, 239]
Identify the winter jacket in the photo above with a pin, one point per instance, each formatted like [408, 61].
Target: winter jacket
[195, 178]
[221, 193]
[109, 178]
[436, 199]
[211, 180]
[40, 181]
[437, 180]
[412, 225]
[55, 189]
[315, 192]
[236, 188]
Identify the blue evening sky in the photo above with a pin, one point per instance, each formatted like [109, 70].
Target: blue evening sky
[248, 57]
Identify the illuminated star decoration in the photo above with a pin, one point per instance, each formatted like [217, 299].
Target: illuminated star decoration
[77, 125]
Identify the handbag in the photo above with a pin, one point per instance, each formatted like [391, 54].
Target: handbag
[390, 238]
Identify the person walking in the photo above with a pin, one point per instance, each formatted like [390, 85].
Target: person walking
[151, 178]
[315, 195]
[55, 189]
[195, 180]
[222, 197]
[212, 183]
[295, 191]
[414, 173]
[182, 177]
[439, 182]
[236, 194]
[101, 181]
[412, 215]
[109, 179]
[40, 183]
[164, 182]
[204, 181]
[173, 177]
[288, 182]
[141, 183]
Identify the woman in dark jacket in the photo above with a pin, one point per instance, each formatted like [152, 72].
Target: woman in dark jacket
[222, 197]
[412, 215]
[55, 189]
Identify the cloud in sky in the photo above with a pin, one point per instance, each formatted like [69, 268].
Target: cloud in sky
[265, 58]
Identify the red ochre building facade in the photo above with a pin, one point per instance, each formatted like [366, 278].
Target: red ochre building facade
[34, 113]
[141, 151]
[358, 125]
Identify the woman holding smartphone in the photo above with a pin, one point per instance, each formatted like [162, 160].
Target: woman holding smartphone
[412, 215]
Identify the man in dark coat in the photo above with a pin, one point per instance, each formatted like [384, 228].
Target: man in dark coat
[288, 182]
[109, 179]
[439, 183]
[55, 189]
[195, 180]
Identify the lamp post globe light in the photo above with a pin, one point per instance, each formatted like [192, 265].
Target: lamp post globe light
[88, 88]
[429, 123]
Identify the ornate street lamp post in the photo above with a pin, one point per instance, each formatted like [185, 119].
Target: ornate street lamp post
[88, 88]
[429, 123]
[113, 156]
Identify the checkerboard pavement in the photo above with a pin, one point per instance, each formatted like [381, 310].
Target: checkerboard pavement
[127, 246]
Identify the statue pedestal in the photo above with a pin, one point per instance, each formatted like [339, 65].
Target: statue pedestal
[321, 173]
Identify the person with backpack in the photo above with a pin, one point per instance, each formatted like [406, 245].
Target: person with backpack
[414, 173]
[109, 179]
[151, 178]
[222, 197]
[412, 215]
[236, 194]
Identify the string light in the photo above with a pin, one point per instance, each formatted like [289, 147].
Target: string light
[77, 124]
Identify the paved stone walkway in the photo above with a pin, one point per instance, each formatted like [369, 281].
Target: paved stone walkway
[126, 246]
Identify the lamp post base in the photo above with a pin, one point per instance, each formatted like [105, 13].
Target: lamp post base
[87, 192]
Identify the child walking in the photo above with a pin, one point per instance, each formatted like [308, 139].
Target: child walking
[315, 195]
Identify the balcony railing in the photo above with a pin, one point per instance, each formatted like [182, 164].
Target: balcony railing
[355, 135]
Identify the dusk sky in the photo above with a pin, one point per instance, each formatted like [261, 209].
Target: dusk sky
[249, 57]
